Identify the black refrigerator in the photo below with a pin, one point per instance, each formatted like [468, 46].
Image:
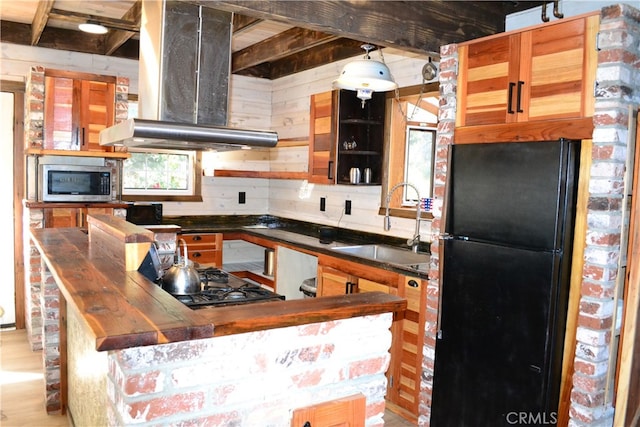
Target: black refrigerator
[506, 260]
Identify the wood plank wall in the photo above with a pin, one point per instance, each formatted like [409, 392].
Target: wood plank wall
[282, 105]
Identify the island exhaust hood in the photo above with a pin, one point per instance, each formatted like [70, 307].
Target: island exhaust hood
[183, 88]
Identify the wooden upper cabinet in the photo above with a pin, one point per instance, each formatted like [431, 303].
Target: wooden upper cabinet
[345, 134]
[77, 107]
[322, 137]
[544, 73]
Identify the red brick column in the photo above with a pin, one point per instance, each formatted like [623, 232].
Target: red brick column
[444, 138]
[50, 303]
[617, 79]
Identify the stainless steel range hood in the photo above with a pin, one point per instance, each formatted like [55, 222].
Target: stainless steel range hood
[183, 88]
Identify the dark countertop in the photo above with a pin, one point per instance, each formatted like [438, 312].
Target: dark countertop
[302, 235]
[123, 309]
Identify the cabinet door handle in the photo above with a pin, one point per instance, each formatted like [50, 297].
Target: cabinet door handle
[510, 96]
[330, 170]
[196, 254]
[348, 289]
[82, 137]
[196, 238]
[413, 283]
[519, 102]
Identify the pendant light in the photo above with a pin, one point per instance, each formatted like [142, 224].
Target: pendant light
[93, 27]
[365, 76]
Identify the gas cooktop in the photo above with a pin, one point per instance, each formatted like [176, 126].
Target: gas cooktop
[219, 288]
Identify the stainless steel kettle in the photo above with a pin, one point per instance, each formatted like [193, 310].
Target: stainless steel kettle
[181, 278]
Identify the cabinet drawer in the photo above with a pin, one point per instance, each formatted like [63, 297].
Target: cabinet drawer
[365, 285]
[206, 257]
[210, 240]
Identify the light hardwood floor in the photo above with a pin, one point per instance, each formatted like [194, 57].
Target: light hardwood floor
[22, 399]
[22, 387]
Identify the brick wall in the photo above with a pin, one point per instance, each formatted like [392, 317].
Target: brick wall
[618, 93]
[247, 379]
[50, 304]
[618, 90]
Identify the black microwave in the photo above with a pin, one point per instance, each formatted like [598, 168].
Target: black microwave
[75, 183]
[145, 213]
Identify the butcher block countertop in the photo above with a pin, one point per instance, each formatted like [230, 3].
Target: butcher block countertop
[124, 309]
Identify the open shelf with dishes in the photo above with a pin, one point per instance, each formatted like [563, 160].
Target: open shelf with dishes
[360, 138]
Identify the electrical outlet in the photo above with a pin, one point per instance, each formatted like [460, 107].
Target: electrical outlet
[323, 204]
[347, 207]
[242, 197]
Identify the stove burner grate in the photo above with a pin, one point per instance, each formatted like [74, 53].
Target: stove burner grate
[214, 275]
[232, 291]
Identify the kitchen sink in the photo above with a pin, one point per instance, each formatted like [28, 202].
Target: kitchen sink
[386, 254]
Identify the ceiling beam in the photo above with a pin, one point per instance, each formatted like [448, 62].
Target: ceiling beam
[315, 57]
[40, 20]
[415, 26]
[118, 24]
[115, 39]
[286, 43]
[61, 39]
[243, 23]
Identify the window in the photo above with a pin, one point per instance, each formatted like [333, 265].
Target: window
[412, 117]
[161, 175]
[418, 168]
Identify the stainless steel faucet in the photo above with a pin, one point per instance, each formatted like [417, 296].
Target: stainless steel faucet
[415, 241]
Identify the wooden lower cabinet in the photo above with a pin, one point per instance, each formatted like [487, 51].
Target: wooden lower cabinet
[344, 412]
[406, 365]
[70, 217]
[204, 248]
[334, 282]
[405, 368]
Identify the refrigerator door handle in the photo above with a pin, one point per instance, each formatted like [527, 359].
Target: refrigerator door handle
[441, 268]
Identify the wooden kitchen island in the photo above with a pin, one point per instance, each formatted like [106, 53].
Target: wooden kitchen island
[130, 353]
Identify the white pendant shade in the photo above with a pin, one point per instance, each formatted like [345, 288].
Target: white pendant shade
[93, 28]
[365, 74]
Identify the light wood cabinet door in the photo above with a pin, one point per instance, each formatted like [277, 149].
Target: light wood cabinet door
[334, 282]
[365, 285]
[97, 112]
[322, 138]
[345, 412]
[70, 217]
[77, 107]
[404, 387]
[540, 74]
[557, 68]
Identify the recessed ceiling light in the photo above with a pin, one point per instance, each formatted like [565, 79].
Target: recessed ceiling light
[93, 28]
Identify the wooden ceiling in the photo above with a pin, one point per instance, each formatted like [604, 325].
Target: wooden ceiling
[271, 39]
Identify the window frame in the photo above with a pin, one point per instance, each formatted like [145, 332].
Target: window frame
[408, 197]
[196, 178]
[395, 149]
